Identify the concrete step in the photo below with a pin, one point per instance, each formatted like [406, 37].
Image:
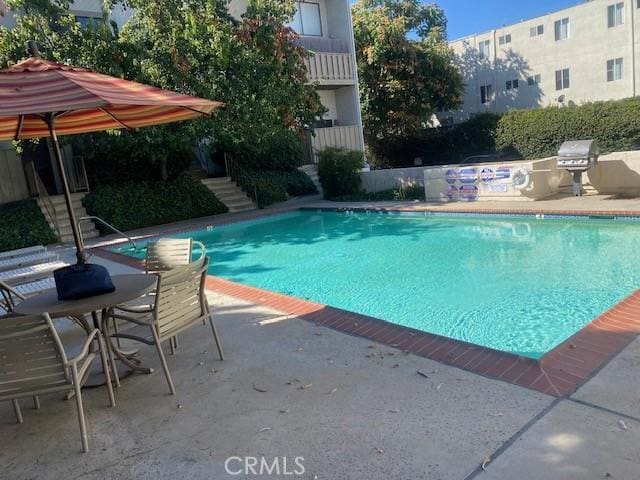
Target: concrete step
[217, 181]
[229, 193]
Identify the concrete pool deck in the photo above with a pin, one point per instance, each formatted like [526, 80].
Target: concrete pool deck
[352, 408]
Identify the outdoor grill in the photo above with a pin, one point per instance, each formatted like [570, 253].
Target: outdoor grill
[578, 156]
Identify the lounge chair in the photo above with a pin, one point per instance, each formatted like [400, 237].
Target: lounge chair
[178, 304]
[33, 362]
[30, 274]
[26, 260]
[22, 251]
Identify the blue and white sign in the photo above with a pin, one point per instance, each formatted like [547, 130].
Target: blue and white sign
[503, 173]
[451, 176]
[487, 175]
[469, 193]
[452, 193]
[469, 176]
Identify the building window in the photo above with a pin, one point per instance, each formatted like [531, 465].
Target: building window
[513, 84]
[535, 79]
[562, 29]
[86, 21]
[538, 30]
[615, 69]
[504, 39]
[306, 20]
[615, 15]
[484, 48]
[486, 94]
[562, 79]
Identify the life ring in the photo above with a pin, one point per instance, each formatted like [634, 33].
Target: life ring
[521, 178]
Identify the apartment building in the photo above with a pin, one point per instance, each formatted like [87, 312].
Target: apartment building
[584, 53]
[326, 29]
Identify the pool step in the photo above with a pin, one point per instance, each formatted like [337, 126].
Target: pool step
[312, 172]
[229, 193]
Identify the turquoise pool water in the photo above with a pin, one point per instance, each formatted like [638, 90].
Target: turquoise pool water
[518, 284]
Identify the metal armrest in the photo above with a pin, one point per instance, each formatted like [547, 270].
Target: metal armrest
[84, 351]
[128, 318]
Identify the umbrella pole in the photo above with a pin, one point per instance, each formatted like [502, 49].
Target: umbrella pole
[50, 120]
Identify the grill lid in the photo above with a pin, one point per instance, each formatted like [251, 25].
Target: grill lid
[579, 149]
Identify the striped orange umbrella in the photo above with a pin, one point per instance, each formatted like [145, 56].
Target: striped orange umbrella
[39, 98]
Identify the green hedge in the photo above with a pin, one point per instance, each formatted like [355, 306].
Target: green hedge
[23, 225]
[539, 133]
[277, 186]
[338, 171]
[132, 205]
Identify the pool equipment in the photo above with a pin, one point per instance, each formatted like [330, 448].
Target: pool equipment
[578, 156]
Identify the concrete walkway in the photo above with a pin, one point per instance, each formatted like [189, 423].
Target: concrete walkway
[349, 408]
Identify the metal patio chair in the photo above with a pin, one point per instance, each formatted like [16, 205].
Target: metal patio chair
[33, 362]
[178, 304]
[165, 254]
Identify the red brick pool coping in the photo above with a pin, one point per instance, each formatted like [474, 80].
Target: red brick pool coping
[559, 373]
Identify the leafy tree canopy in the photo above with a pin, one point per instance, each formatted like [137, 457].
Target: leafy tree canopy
[406, 69]
[193, 47]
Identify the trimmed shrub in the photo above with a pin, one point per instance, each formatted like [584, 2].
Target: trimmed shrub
[539, 133]
[338, 171]
[23, 225]
[439, 146]
[276, 186]
[132, 205]
[282, 151]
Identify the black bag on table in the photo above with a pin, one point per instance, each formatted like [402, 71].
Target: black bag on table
[82, 280]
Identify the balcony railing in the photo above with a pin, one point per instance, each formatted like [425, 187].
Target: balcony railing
[331, 68]
[327, 45]
[346, 137]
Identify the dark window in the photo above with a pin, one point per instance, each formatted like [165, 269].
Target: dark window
[515, 83]
[615, 15]
[562, 79]
[562, 29]
[534, 80]
[508, 84]
[486, 93]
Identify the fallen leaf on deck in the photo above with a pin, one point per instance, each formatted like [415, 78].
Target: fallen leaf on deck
[394, 411]
[284, 411]
[485, 462]
[622, 425]
[395, 365]
[266, 429]
[500, 414]
[422, 374]
[179, 406]
[438, 388]
[299, 349]
[379, 450]
[332, 391]
[305, 387]
[259, 389]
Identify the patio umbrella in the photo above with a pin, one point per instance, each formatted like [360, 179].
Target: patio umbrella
[39, 98]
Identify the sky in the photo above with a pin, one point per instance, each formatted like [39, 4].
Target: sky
[474, 16]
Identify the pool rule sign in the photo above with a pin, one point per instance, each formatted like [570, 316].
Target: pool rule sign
[462, 184]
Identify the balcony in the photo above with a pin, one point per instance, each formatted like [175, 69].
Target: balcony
[331, 69]
[346, 137]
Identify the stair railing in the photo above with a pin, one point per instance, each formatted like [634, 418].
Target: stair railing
[241, 177]
[109, 226]
[47, 203]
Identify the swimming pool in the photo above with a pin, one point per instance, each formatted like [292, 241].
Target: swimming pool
[516, 284]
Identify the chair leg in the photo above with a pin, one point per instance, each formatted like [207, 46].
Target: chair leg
[163, 360]
[36, 402]
[105, 367]
[112, 362]
[79, 405]
[175, 342]
[115, 330]
[172, 348]
[18, 412]
[216, 337]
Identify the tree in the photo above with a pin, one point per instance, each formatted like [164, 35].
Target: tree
[193, 47]
[406, 70]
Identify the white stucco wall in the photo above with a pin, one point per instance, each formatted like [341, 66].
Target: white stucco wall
[590, 44]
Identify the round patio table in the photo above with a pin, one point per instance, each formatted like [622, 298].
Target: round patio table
[128, 287]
